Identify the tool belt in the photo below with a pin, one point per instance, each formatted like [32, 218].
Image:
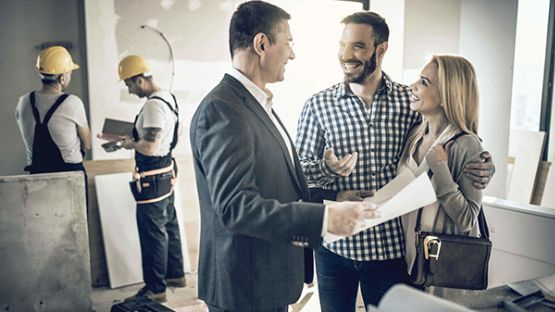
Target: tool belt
[153, 185]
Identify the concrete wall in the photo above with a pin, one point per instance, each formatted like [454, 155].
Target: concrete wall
[25, 25]
[44, 244]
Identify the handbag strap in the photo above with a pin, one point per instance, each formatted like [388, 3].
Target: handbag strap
[482, 223]
[451, 139]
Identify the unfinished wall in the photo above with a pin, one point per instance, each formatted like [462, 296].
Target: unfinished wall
[44, 244]
[25, 25]
[198, 35]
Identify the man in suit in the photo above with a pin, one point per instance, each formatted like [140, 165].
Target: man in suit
[255, 214]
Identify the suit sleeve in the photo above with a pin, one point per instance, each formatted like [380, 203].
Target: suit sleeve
[224, 145]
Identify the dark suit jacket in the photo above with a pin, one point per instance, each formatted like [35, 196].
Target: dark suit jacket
[254, 209]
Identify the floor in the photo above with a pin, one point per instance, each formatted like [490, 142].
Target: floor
[185, 299]
[179, 299]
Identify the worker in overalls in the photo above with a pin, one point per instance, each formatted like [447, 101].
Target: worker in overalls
[53, 124]
[154, 138]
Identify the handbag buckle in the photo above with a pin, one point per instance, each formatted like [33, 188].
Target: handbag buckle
[432, 247]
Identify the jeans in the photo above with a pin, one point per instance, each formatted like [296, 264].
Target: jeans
[339, 277]
[160, 243]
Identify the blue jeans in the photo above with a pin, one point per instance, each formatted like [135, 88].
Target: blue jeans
[160, 243]
[339, 277]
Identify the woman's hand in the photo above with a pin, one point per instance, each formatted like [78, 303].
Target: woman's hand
[438, 153]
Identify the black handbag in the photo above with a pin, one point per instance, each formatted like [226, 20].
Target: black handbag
[452, 261]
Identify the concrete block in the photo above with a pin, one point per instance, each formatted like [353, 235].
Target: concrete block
[44, 262]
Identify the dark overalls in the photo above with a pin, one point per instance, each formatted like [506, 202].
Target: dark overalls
[46, 154]
[157, 223]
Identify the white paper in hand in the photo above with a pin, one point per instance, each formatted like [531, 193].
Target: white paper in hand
[400, 196]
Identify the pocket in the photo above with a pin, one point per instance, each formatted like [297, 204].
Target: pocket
[151, 188]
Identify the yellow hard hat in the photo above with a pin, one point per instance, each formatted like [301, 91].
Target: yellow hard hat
[55, 60]
[131, 66]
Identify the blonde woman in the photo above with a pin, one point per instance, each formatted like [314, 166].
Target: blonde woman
[446, 95]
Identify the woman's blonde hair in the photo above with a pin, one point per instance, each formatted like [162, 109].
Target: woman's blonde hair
[458, 90]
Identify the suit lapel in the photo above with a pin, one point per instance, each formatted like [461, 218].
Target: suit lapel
[299, 175]
[252, 104]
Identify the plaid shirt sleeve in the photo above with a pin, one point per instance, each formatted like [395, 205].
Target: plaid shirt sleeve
[311, 145]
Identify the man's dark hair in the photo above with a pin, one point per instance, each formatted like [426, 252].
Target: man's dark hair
[133, 79]
[50, 79]
[251, 18]
[378, 24]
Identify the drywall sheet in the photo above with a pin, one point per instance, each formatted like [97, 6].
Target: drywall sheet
[44, 250]
[119, 229]
[526, 147]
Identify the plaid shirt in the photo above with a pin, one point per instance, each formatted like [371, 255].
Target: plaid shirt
[336, 118]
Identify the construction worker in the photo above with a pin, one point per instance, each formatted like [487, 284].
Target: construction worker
[53, 124]
[154, 138]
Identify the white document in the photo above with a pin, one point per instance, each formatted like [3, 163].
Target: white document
[400, 196]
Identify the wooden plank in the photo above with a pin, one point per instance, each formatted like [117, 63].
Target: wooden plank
[539, 185]
[182, 233]
[548, 199]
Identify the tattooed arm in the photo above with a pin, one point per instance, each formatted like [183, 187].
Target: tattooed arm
[148, 144]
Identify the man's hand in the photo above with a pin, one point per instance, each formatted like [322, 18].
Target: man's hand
[343, 166]
[128, 143]
[353, 195]
[347, 218]
[111, 146]
[480, 172]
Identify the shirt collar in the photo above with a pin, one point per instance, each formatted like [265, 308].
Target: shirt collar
[263, 97]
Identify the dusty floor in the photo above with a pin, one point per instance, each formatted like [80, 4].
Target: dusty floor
[185, 299]
[179, 299]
